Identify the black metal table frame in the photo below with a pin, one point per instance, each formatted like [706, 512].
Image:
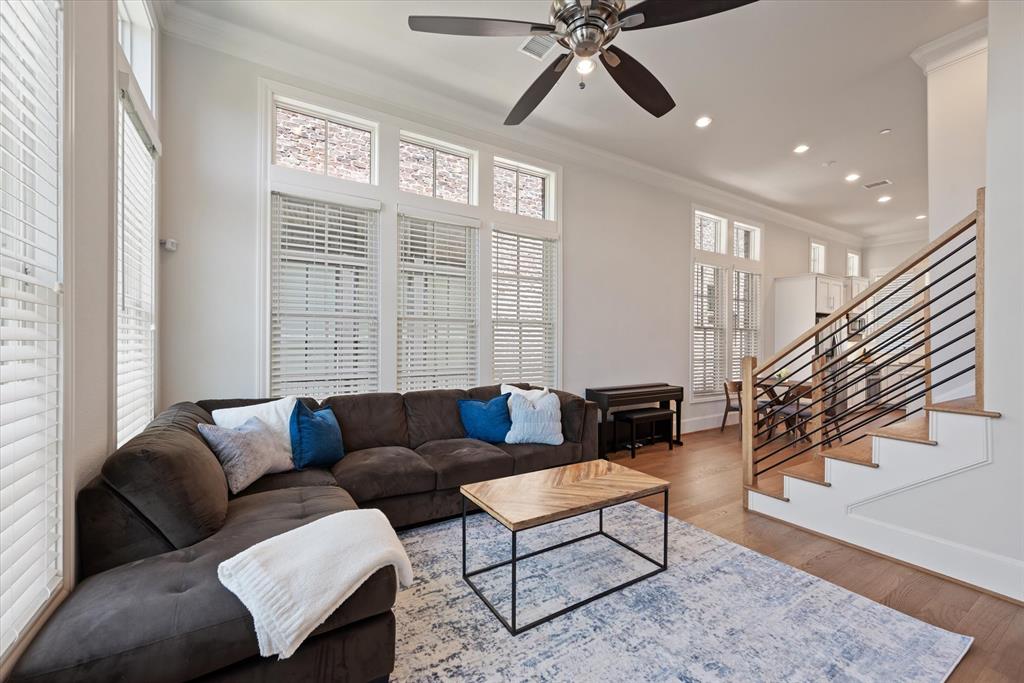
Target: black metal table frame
[511, 626]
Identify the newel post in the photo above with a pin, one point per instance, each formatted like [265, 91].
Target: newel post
[747, 420]
[979, 304]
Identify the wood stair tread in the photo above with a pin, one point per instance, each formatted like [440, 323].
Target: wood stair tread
[914, 429]
[770, 486]
[963, 406]
[812, 471]
[858, 453]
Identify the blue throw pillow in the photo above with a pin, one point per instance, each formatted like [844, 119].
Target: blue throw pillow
[316, 437]
[486, 420]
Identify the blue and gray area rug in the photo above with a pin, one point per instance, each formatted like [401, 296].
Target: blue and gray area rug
[721, 612]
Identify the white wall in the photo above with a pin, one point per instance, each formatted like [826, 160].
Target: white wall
[885, 257]
[981, 509]
[626, 243]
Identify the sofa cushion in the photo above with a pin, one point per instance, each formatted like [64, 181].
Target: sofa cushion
[464, 461]
[433, 415]
[168, 618]
[288, 480]
[382, 472]
[172, 477]
[370, 420]
[574, 410]
[486, 393]
[530, 457]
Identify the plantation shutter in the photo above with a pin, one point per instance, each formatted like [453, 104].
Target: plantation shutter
[892, 304]
[136, 253]
[31, 359]
[709, 329]
[323, 299]
[437, 305]
[746, 319]
[524, 299]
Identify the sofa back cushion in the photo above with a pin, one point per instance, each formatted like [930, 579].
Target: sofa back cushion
[171, 476]
[370, 420]
[433, 415]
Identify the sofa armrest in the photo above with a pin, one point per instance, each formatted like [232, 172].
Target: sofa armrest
[590, 431]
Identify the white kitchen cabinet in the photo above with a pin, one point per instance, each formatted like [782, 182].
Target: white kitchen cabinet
[828, 294]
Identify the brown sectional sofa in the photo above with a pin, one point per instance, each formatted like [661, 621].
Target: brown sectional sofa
[155, 524]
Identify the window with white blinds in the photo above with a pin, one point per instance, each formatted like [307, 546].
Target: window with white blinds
[524, 308]
[890, 303]
[437, 305]
[709, 329]
[323, 298]
[136, 254]
[746, 319]
[31, 557]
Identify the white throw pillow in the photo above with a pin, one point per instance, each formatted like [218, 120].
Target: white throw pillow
[276, 415]
[529, 394]
[537, 421]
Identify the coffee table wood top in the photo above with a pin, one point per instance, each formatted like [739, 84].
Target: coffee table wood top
[528, 500]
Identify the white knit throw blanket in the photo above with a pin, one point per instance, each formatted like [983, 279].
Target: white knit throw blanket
[291, 583]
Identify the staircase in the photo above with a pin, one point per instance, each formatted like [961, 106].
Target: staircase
[858, 410]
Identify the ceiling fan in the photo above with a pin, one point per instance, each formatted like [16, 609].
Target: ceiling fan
[586, 28]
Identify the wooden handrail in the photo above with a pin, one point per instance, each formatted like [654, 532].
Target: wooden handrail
[907, 265]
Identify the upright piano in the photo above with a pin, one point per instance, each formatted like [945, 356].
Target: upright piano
[631, 395]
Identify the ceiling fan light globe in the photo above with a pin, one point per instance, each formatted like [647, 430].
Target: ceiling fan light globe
[584, 66]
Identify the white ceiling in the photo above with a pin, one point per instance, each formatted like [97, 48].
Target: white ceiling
[828, 73]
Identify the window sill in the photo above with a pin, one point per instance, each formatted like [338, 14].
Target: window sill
[707, 398]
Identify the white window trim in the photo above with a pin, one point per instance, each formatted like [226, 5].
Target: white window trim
[550, 188]
[810, 257]
[331, 116]
[389, 130]
[860, 264]
[441, 146]
[729, 263]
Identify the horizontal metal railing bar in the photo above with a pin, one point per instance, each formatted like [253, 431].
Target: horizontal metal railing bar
[884, 392]
[923, 321]
[885, 328]
[899, 270]
[867, 421]
[923, 253]
[966, 334]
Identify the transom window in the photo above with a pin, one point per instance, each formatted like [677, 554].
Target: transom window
[520, 191]
[433, 171]
[817, 257]
[318, 144]
[709, 232]
[746, 241]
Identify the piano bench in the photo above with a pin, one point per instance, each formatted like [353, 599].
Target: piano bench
[643, 416]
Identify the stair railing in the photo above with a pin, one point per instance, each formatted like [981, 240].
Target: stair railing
[875, 360]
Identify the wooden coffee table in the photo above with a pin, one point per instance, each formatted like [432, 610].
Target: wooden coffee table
[526, 501]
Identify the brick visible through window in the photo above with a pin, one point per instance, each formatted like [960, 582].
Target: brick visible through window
[318, 145]
[431, 172]
[519, 192]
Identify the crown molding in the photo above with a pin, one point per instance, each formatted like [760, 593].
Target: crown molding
[952, 48]
[362, 86]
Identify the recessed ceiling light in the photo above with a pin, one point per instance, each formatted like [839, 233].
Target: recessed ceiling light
[584, 66]
[885, 131]
[920, 217]
[884, 198]
[853, 177]
[800, 149]
[703, 122]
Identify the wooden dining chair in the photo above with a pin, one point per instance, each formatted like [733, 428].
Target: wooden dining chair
[735, 405]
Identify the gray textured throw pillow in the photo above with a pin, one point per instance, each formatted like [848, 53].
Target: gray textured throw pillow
[246, 453]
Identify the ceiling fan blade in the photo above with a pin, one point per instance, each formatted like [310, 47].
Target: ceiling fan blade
[538, 90]
[637, 82]
[663, 12]
[472, 26]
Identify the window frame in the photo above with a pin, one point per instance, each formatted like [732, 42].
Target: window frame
[824, 257]
[329, 116]
[435, 145]
[755, 233]
[547, 178]
[860, 267]
[729, 263]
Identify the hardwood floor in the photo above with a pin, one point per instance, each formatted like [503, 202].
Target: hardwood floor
[706, 475]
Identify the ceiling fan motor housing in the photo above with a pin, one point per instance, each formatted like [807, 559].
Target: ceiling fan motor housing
[584, 27]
